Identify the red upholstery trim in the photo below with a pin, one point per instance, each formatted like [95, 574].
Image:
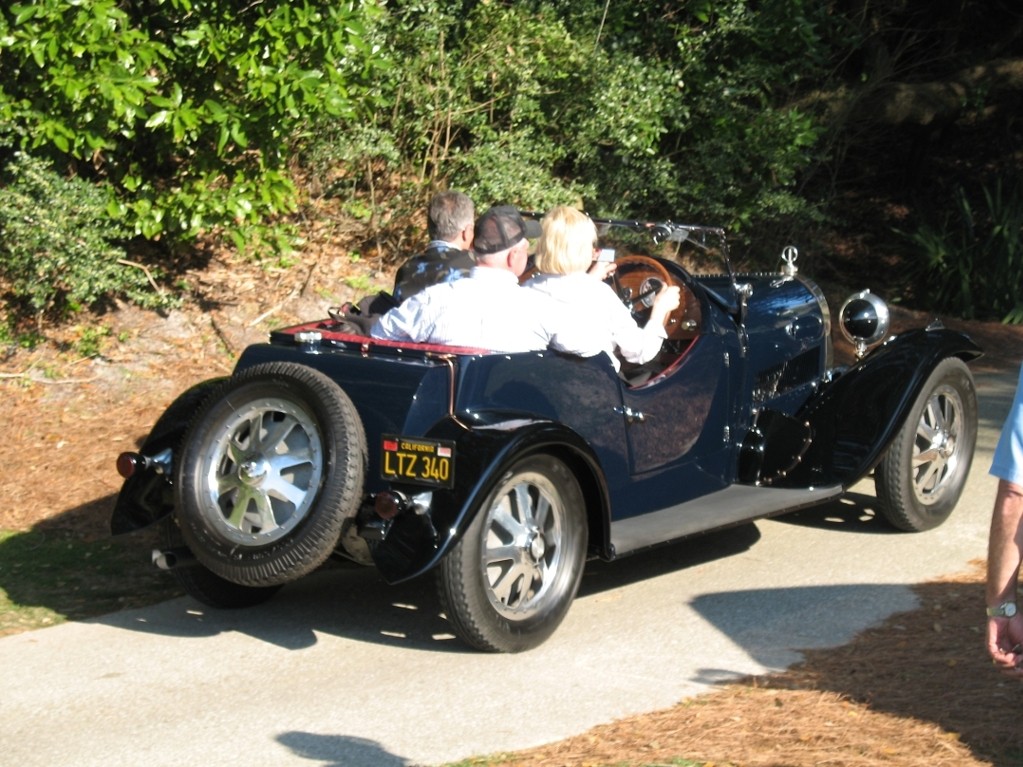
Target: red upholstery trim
[323, 327]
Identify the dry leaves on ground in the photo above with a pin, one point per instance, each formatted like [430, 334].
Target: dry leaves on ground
[916, 691]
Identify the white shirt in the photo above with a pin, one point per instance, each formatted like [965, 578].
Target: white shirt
[600, 321]
[485, 310]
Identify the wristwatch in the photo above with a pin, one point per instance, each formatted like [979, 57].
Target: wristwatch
[1004, 610]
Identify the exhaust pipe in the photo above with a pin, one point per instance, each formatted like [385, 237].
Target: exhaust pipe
[168, 559]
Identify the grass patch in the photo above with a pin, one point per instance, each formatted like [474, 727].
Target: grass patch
[48, 578]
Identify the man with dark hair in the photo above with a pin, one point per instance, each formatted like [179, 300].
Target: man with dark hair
[487, 309]
[447, 257]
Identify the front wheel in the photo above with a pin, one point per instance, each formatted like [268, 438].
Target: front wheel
[508, 583]
[922, 474]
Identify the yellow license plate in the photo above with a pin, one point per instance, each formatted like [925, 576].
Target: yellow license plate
[421, 461]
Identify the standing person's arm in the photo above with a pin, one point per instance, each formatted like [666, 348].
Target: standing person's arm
[1005, 552]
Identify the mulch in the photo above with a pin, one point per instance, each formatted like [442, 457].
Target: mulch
[916, 691]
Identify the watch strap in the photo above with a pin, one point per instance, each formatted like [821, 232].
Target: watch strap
[1004, 610]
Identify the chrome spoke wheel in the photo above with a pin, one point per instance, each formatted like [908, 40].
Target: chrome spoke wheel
[923, 472]
[268, 472]
[262, 471]
[509, 581]
[935, 450]
[522, 545]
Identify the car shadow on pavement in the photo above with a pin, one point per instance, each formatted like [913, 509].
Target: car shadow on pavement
[353, 602]
[336, 600]
[852, 513]
[672, 557]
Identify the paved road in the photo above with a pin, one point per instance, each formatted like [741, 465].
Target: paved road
[342, 670]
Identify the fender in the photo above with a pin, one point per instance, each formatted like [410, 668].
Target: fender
[855, 417]
[146, 496]
[415, 543]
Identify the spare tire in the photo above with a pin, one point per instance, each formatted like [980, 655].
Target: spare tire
[268, 472]
[206, 587]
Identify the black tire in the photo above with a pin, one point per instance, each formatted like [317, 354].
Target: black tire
[508, 583]
[268, 472]
[170, 427]
[922, 474]
[146, 497]
[205, 586]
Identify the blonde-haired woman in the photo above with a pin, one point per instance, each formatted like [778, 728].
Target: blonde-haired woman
[564, 254]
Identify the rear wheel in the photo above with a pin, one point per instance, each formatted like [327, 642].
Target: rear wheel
[268, 473]
[508, 583]
[205, 586]
[922, 474]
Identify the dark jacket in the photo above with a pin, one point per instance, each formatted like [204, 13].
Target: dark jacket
[438, 263]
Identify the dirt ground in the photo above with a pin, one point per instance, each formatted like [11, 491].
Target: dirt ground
[914, 691]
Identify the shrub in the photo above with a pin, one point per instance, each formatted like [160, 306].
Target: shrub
[59, 250]
[971, 261]
[630, 110]
[185, 108]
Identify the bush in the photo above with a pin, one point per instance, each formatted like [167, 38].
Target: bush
[631, 111]
[59, 250]
[971, 262]
[185, 108]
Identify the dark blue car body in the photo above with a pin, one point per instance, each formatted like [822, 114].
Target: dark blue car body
[744, 415]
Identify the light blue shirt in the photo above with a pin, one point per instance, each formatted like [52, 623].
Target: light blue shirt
[1007, 463]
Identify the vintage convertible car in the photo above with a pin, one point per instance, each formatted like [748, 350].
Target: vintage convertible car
[502, 473]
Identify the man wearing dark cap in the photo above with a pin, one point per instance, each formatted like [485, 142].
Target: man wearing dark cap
[487, 309]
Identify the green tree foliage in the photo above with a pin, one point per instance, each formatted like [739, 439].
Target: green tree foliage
[631, 109]
[188, 115]
[971, 258]
[182, 110]
[744, 140]
[59, 251]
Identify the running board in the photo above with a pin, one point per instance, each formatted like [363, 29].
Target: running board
[739, 503]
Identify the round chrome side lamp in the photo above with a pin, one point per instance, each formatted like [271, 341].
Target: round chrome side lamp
[864, 319]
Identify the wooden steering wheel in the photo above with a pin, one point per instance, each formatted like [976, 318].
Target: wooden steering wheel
[637, 280]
